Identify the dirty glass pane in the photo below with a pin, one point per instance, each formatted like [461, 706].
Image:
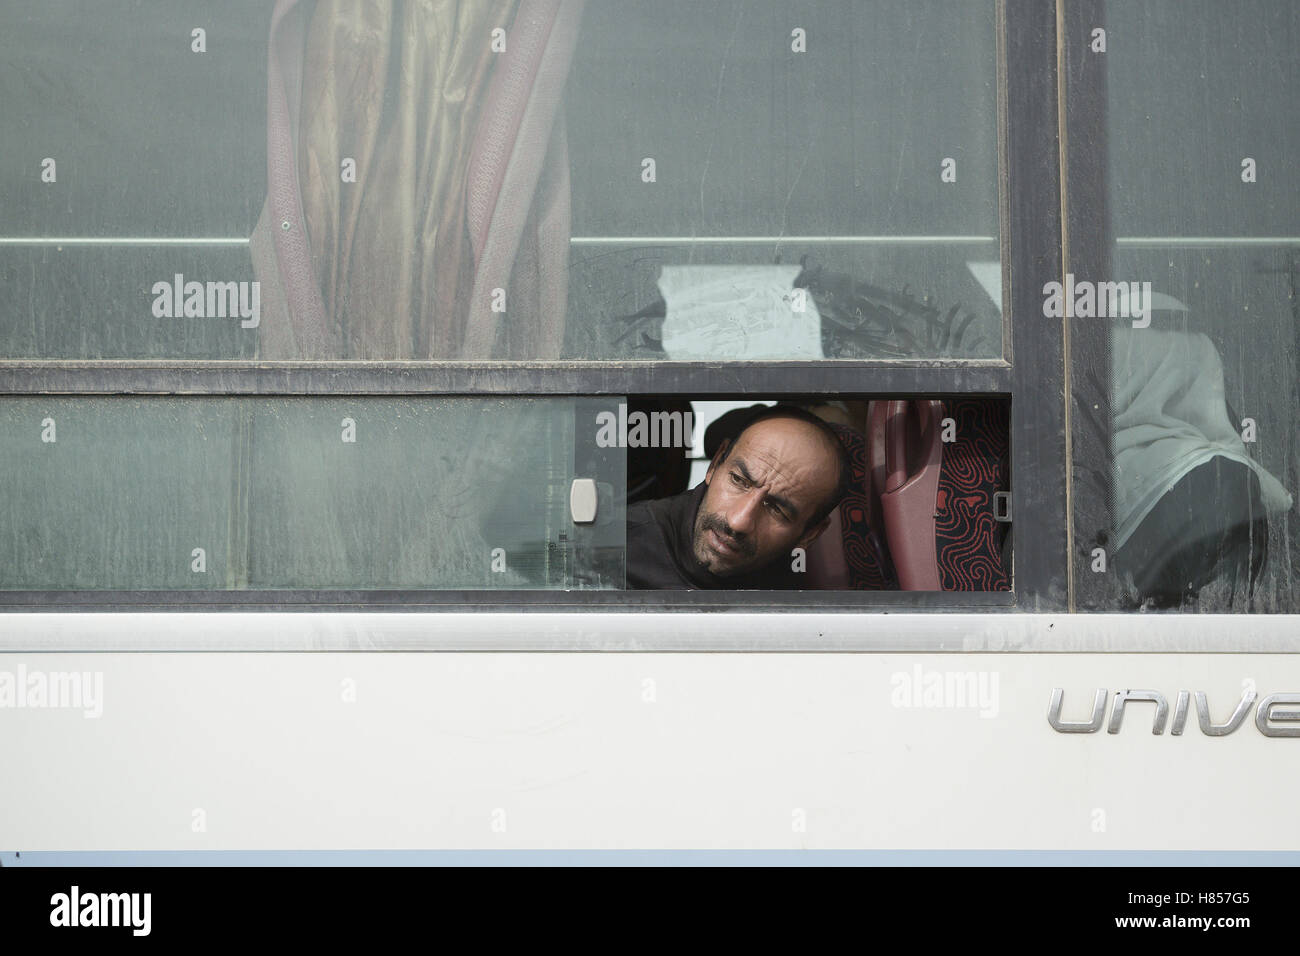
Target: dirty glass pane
[464, 493]
[223, 493]
[1204, 157]
[129, 159]
[677, 180]
[116, 493]
[839, 153]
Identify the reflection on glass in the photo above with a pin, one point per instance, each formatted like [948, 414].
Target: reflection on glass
[502, 179]
[116, 493]
[1203, 162]
[354, 494]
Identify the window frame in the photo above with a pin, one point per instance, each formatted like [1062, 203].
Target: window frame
[1031, 243]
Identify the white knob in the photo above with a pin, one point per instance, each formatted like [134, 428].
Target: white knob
[582, 500]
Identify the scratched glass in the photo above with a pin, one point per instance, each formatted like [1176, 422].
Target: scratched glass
[143, 494]
[728, 181]
[1201, 176]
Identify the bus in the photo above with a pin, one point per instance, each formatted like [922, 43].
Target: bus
[547, 427]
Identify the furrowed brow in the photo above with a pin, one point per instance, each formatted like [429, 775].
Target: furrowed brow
[778, 500]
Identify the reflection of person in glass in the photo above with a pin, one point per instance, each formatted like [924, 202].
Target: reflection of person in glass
[768, 491]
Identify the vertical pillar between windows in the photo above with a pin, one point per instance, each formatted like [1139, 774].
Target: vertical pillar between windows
[1087, 246]
[1032, 236]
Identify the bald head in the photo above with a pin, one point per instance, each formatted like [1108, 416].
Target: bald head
[769, 491]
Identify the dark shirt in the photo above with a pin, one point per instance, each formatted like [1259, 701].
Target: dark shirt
[660, 555]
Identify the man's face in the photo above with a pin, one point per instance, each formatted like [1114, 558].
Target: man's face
[759, 499]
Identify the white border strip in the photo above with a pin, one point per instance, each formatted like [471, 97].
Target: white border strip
[1152, 241]
[1160, 242]
[773, 631]
[119, 241]
[769, 240]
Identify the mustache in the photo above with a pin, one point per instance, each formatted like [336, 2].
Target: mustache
[716, 524]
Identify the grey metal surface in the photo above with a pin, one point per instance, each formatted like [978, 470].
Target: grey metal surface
[649, 632]
[1039, 450]
[696, 379]
[1087, 255]
[402, 600]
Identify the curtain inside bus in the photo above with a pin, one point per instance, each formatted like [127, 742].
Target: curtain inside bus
[452, 112]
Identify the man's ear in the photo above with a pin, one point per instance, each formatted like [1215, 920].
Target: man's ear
[718, 457]
[815, 532]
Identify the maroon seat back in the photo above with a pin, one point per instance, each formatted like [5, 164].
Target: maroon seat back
[938, 499]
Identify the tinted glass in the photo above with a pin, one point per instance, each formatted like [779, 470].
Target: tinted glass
[1201, 172]
[456, 181]
[358, 493]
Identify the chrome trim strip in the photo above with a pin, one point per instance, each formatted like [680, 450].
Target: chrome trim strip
[698, 380]
[649, 632]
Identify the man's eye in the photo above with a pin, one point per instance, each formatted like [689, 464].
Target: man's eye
[737, 479]
[776, 509]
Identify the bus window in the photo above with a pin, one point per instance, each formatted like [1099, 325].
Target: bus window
[674, 182]
[313, 312]
[1196, 276]
[351, 494]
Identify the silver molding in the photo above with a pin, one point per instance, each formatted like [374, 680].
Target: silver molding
[1211, 729]
[646, 631]
[1180, 714]
[1076, 726]
[1265, 715]
[1122, 697]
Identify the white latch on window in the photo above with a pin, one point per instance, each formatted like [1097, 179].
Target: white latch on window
[582, 500]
